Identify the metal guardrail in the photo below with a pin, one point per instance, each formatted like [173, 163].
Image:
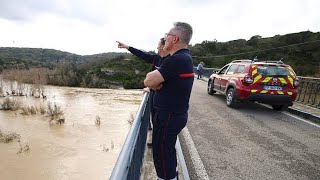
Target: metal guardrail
[206, 71]
[130, 160]
[309, 91]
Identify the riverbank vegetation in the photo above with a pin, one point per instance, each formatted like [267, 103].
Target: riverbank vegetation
[10, 104]
[55, 113]
[12, 101]
[8, 137]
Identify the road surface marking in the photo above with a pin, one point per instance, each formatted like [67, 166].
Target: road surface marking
[196, 160]
[294, 116]
[309, 122]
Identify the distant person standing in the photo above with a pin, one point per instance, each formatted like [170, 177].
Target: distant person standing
[199, 70]
[174, 79]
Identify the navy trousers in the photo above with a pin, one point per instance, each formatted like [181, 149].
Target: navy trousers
[199, 72]
[166, 127]
[152, 110]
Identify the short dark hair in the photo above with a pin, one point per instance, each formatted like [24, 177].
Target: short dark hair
[185, 31]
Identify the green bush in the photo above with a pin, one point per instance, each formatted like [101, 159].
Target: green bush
[133, 84]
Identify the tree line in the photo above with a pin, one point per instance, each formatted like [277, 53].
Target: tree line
[300, 50]
[109, 70]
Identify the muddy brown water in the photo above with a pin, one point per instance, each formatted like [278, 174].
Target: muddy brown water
[78, 149]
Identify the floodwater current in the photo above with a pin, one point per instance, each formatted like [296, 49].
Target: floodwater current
[79, 148]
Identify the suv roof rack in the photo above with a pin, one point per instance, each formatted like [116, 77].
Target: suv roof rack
[239, 61]
[277, 62]
[255, 61]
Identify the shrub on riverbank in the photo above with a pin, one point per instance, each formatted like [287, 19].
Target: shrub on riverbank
[29, 110]
[97, 120]
[55, 113]
[8, 137]
[10, 104]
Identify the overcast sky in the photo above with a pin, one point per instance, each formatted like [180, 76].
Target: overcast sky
[89, 27]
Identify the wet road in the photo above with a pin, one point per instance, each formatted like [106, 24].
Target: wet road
[250, 142]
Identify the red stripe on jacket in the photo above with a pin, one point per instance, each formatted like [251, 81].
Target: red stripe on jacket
[186, 75]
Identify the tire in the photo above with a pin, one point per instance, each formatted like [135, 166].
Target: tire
[210, 88]
[231, 100]
[279, 107]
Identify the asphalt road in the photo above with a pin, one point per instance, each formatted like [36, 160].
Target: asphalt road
[250, 142]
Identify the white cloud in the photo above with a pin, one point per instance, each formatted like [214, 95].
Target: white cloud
[88, 27]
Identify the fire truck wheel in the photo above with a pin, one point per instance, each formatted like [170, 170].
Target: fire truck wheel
[230, 98]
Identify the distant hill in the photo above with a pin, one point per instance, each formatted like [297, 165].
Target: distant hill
[25, 58]
[106, 70]
[300, 50]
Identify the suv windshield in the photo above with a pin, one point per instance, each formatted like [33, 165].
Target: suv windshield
[273, 71]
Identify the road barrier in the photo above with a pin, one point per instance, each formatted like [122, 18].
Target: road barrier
[309, 91]
[130, 160]
[206, 72]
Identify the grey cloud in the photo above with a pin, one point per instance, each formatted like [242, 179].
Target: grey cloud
[25, 10]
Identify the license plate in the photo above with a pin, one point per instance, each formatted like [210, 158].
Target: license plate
[276, 88]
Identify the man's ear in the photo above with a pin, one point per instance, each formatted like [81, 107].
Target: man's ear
[176, 39]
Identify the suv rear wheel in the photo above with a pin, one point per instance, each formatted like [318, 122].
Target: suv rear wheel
[230, 98]
[210, 88]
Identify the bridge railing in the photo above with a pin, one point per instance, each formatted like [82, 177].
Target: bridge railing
[206, 71]
[309, 89]
[130, 160]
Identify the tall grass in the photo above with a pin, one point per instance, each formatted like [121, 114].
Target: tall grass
[55, 113]
[8, 137]
[29, 110]
[131, 118]
[42, 109]
[10, 104]
[1, 87]
[97, 120]
[23, 147]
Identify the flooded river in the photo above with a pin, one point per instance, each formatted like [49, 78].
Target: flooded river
[77, 149]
